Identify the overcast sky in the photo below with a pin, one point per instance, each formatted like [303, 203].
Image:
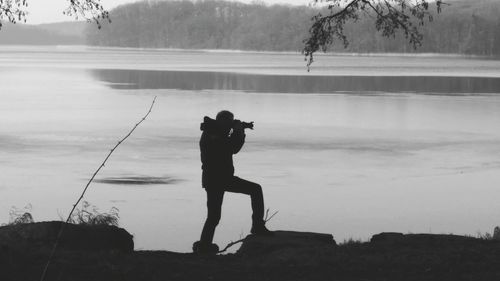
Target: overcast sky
[44, 11]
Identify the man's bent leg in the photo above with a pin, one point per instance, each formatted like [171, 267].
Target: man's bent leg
[239, 185]
[214, 205]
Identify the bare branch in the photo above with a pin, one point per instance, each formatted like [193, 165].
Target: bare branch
[13, 10]
[231, 244]
[267, 217]
[390, 17]
[92, 10]
[61, 230]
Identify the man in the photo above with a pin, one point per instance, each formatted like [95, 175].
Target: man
[221, 138]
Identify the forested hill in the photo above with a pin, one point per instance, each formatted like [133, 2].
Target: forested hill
[204, 24]
[65, 33]
[466, 27]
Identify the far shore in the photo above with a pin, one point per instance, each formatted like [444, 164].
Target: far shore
[249, 62]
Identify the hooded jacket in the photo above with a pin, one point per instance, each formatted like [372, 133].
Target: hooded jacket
[217, 149]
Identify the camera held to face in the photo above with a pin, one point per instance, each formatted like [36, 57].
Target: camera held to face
[244, 125]
[213, 125]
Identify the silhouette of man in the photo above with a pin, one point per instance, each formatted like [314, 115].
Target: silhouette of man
[221, 138]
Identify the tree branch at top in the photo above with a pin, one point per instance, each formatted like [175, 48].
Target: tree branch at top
[91, 10]
[391, 16]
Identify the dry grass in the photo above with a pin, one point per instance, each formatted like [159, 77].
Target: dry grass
[89, 214]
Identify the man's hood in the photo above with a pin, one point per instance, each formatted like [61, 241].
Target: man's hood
[209, 124]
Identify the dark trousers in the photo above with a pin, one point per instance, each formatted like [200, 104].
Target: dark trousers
[215, 196]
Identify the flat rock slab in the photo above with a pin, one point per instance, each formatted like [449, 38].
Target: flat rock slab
[287, 247]
[75, 237]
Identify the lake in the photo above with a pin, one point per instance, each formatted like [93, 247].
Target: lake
[356, 146]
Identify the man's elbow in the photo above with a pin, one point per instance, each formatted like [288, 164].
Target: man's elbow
[236, 149]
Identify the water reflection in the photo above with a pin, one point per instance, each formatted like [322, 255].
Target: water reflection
[137, 180]
[205, 80]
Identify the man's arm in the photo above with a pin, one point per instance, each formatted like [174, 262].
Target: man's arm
[237, 138]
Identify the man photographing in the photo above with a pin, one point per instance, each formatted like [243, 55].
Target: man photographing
[221, 138]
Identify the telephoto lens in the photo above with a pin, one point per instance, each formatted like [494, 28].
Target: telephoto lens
[245, 125]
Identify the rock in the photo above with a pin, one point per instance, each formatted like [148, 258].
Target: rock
[288, 247]
[422, 240]
[496, 233]
[42, 235]
[387, 237]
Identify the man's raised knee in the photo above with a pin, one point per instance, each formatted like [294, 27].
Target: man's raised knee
[257, 189]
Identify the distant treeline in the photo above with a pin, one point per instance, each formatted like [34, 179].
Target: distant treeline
[205, 25]
[465, 27]
[44, 34]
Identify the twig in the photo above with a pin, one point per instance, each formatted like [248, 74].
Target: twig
[266, 218]
[61, 230]
[231, 244]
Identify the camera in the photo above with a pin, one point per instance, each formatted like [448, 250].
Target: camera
[245, 125]
[211, 124]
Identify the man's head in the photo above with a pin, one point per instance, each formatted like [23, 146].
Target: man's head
[225, 119]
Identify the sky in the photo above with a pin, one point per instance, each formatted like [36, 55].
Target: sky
[45, 11]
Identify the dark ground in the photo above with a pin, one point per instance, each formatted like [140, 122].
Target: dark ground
[286, 256]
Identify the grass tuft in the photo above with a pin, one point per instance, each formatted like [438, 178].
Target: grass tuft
[20, 215]
[90, 215]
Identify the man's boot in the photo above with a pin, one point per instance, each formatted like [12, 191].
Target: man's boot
[259, 228]
[205, 248]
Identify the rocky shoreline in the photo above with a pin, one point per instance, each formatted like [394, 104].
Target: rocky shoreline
[106, 253]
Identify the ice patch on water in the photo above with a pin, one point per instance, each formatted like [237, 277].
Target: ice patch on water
[137, 180]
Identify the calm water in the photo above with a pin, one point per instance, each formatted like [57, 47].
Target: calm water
[357, 146]
[262, 83]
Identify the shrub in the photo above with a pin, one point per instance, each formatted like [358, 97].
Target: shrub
[90, 215]
[20, 216]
